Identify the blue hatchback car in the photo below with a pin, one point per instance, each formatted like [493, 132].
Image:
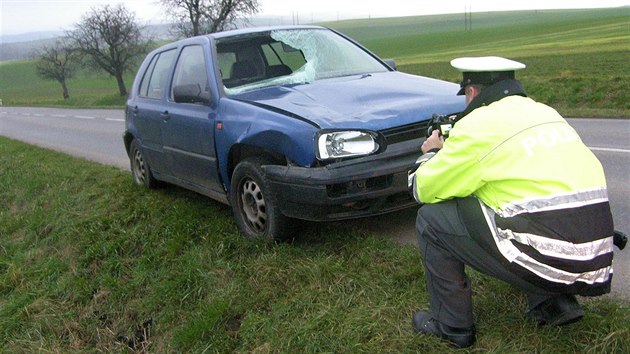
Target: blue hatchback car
[281, 123]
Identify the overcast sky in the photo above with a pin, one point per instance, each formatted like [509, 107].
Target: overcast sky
[24, 16]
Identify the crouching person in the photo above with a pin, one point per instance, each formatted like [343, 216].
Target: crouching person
[515, 194]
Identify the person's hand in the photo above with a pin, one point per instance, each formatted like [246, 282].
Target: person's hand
[435, 141]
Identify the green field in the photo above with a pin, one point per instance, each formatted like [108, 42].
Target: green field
[578, 60]
[20, 86]
[91, 263]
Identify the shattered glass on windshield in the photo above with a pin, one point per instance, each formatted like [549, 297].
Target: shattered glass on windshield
[289, 57]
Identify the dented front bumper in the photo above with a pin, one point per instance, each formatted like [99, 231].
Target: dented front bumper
[344, 190]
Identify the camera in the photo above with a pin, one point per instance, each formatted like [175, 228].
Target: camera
[442, 123]
[620, 239]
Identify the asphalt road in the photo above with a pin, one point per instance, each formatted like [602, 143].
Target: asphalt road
[93, 134]
[96, 135]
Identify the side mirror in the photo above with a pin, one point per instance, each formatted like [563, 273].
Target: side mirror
[190, 94]
[391, 63]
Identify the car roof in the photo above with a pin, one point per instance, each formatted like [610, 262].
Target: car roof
[251, 30]
[232, 33]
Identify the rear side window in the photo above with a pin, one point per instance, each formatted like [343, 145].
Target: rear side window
[154, 79]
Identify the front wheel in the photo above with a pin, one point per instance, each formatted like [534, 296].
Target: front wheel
[255, 209]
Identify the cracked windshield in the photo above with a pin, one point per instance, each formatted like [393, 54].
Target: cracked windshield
[288, 57]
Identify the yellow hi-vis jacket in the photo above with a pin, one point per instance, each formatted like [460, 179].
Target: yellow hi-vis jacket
[542, 190]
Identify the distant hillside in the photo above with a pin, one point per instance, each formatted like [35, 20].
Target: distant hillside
[22, 50]
[375, 29]
[24, 46]
[29, 37]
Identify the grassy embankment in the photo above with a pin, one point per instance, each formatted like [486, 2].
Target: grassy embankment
[90, 263]
[578, 61]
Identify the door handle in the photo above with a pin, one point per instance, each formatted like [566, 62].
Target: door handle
[165, 116]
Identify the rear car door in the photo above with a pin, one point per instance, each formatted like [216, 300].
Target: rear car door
[148, 108]
[188, 129]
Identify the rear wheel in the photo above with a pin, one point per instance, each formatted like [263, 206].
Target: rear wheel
[140, 167]
[255, 209]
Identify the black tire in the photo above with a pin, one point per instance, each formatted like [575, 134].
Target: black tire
[140, 169]
[256, 211]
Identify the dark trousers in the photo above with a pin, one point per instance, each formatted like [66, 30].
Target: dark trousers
[447, 245]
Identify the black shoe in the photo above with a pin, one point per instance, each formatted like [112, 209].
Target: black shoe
[557, 311]
[460, 337]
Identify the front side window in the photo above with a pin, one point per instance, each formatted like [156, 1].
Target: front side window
[191, 72]
[294, 56]
[154, 78]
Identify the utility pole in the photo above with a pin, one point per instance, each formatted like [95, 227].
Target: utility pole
[468, 18]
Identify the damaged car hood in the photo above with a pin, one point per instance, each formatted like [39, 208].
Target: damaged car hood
[373, 101]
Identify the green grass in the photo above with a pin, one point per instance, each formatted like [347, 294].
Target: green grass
[91, 263]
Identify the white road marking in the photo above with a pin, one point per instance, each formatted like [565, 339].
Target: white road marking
[608, 149]
[28, 114]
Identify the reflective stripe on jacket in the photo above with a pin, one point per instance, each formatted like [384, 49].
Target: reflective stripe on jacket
[543, 190]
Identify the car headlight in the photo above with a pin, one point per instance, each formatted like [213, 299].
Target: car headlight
[340, 144]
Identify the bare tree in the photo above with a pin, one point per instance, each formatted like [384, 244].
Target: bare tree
[58, 62]
[111, 40]
[195, 17]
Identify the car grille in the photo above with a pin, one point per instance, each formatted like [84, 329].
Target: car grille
[405, 132]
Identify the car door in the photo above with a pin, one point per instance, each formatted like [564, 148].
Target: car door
[188, 129]
[149, 106]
